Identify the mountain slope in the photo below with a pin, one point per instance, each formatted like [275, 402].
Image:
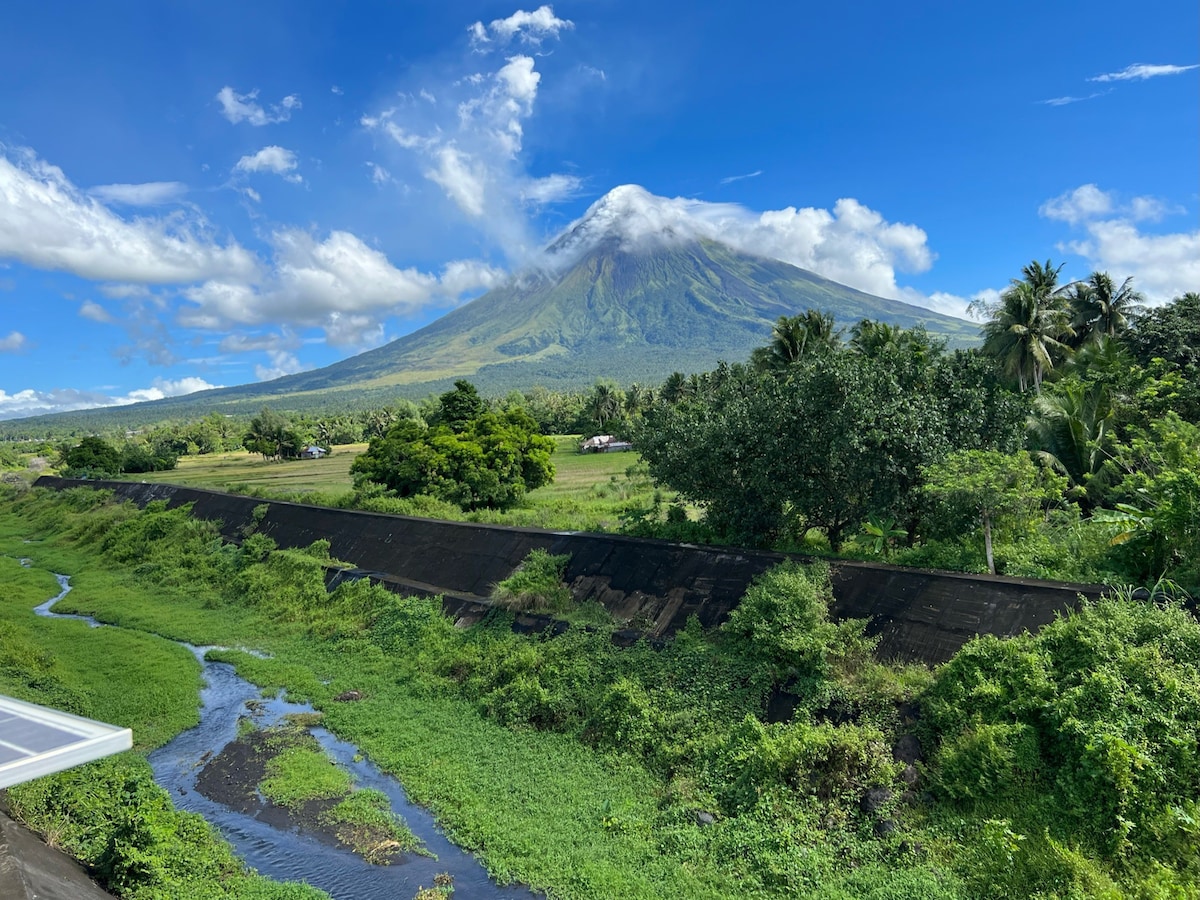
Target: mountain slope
[629, 292]
[675, 306]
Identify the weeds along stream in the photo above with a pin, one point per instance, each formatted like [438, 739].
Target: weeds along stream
[267, 838]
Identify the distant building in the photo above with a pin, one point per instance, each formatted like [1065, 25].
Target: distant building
[313, 452]
[604, 443]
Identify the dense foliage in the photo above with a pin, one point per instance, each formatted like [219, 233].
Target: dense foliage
[1058, 765]
[472, 457]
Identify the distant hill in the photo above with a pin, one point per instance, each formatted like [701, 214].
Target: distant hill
[612, 301]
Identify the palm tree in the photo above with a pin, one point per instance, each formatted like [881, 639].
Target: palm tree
[794, 337]
[1070, 428]
[1101, 308]
[871, 338]
[605, 403]
[1028, 326]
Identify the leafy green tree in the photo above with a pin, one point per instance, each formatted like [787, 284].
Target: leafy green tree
[93, 455]
[490, 461]
[459, 406]
[1166, 340]
[990, 486]
[823, 445]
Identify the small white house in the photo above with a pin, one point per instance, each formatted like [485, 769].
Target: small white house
[313, 452]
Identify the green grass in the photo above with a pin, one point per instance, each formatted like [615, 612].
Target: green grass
[589, 491]
[240, 470]
[303, 772]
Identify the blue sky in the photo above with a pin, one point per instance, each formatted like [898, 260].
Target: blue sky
[198, 194]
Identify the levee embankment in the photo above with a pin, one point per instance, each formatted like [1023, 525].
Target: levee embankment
[655, 585]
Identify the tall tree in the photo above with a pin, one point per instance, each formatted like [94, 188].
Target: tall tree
[1028, 325]
[1100, 308]
[795, 337]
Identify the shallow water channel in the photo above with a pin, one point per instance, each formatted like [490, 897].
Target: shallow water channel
[289, 855]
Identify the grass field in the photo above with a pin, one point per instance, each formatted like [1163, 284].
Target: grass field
[588, 493]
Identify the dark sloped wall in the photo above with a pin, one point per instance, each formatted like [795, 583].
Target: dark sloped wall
[918, 614]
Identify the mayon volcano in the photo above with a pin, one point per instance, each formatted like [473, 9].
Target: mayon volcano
[631, 291]
[637, 288]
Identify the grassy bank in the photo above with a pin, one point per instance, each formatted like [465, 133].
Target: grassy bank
[1045, 766]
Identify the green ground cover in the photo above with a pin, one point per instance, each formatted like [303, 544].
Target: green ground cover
[590, 491]
[1057, 765]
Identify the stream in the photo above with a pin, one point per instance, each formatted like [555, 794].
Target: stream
[289, 855]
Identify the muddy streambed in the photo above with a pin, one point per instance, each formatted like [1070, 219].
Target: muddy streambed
[208, 770]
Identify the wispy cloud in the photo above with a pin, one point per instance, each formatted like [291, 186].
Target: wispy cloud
[1065, 101]
[151, 193]
[732, 178]
[1142, 71]
[245, 107]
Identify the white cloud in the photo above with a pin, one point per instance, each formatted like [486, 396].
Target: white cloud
[31, 402]
[274, 159]
[1068, 100]
[379, 174]
[336, 90]
[732, 178]
[1163, 265]
[1142, 71]
[1085, 202]
[282, 363]
[14, 342]
[163, 388]
[245, 107]
[461, 178]
[48, 223]
[469, 143]
[258, 343]
[152, 193]
[531, 27]
[851, 244]
[551, 189]
[95, 312]
[339, 285]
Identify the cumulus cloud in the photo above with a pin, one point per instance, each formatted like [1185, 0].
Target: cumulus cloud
[14, 342]
[48, 223]
[530, 27]
[245, 107]
[1163, 265]
[151, 193]
[1143, 71]
[851, 243]
[31, 402]
[1085, 202]
[338, 284]
[273, 159]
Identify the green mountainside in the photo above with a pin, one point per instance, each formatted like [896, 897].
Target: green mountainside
[617, 312]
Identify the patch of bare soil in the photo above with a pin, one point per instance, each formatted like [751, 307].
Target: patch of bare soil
[231, 778]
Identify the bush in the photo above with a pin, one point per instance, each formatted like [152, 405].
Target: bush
[536, 585]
